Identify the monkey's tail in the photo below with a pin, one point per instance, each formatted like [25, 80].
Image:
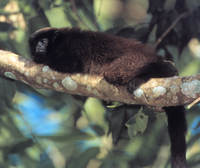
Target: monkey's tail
[177, 128]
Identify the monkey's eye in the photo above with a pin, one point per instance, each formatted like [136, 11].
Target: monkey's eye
[45, 41]
[42, 45]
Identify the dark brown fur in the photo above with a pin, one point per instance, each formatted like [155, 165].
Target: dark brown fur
[119, 60]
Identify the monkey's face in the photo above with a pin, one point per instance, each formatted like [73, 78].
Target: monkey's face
[42, 46]
[41, 43]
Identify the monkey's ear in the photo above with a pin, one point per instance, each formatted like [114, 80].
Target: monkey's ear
[56, 36]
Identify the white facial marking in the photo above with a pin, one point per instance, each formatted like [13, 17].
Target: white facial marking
[42, 45]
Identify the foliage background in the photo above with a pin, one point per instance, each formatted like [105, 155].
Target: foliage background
[44, 129]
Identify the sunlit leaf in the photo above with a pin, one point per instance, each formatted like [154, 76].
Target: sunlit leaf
[136, 124]
[82, 160]
[74, 136]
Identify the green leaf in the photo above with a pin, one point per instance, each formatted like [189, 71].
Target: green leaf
[55, 21]
[74, 136]
[137, 123]
[7, 92]
[6, 27]
[3, 3]
[162, 117]
[98, 130]
[82, 160]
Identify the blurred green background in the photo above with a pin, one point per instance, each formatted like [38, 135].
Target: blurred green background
[48, 129]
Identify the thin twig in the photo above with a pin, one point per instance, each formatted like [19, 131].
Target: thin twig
[99, 10]
[183, 15]
[98, 14]
[76, 13]
[193, 103]
[27, 124]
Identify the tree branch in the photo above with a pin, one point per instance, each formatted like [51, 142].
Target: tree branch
[156, 92]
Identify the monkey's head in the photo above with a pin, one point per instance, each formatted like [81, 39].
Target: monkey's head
[41, 43]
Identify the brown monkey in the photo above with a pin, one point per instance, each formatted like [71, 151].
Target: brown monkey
[119, 60]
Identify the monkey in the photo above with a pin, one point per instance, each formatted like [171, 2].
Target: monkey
[120, 61]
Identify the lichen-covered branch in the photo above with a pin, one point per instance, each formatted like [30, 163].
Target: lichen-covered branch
[156, 92]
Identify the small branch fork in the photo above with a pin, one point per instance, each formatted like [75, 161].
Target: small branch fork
[181, 16]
